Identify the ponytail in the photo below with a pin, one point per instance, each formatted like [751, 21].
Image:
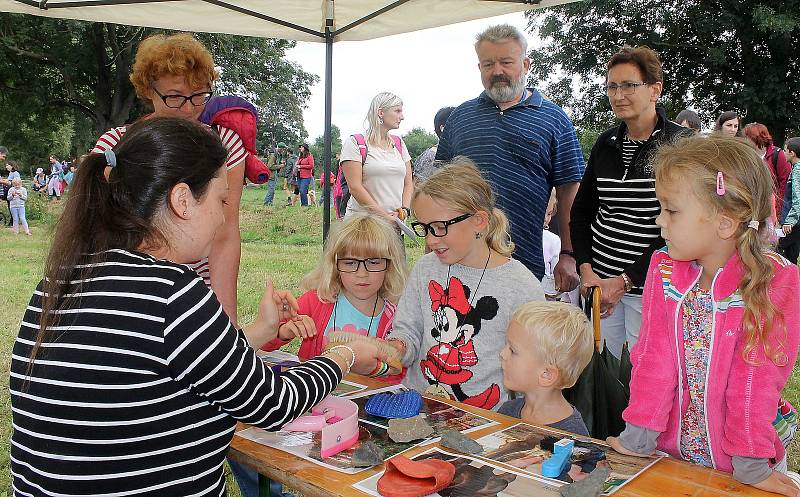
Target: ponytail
[118, 207]
[499, 235]
[759, 313]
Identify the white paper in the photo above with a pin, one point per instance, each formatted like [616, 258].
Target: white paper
[406, 230]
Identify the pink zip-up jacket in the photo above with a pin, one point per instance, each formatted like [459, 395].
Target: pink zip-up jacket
[320, 311]
[741, 399]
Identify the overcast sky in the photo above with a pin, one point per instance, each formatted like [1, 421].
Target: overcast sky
[427, 69]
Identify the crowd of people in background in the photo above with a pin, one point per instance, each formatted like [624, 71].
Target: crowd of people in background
[670, 223]
[15, 190]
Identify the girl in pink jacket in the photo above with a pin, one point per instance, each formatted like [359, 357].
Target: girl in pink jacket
[360, 277]
[720, 321]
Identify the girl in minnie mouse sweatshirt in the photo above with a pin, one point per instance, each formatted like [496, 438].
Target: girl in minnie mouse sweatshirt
[452, 318]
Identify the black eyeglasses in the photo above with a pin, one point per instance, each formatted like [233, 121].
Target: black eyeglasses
[372, 265]
[437, 228]
[177, 101]
[627, 88]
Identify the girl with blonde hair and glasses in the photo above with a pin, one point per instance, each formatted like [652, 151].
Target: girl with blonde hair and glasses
[355, 288]
[451, 321]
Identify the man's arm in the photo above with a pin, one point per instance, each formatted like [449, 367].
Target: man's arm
[565, 272]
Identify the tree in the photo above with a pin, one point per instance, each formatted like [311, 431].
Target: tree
[318, 150]
[57, 72]
[717, 55]
[418, 140]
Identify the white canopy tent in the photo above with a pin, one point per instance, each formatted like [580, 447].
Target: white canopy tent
[324, 21]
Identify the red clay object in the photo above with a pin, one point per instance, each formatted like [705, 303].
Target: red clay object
[406, 478]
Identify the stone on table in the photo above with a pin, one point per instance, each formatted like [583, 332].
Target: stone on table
[591, 486]
[368, 454]
[408, 429]
[454, 439]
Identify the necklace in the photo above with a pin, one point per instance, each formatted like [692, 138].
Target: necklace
[374, 306]
[437, 390]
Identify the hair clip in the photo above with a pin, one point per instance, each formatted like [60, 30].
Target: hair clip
[720, 184]
[753, 224]
[111, 158]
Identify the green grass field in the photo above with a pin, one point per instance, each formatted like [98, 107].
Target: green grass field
[277, 242]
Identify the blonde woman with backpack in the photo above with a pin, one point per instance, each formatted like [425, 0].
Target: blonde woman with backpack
[376, 165]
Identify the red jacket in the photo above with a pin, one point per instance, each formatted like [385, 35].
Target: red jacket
[306, 166]
[321, 312]
[780, 175]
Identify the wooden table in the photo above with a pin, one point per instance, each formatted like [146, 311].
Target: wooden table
[666, 478]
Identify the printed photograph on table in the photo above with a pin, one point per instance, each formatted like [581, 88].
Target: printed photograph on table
[526, 447]
[347, 388]
[477, 478]
[307, 445]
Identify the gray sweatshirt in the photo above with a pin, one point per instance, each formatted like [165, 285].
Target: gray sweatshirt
[454, 335]
[17, 196]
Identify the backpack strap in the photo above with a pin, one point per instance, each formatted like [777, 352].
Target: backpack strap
[362, 147]
[398, 143]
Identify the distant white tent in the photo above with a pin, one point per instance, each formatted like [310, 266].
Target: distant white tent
[324, 21]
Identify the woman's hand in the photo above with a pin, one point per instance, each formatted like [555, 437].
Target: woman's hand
[588, 278]
[779, 483]
[300, 326]
[611, 289]
[787, 229]
[611, 292]
[287, 304]
[275, 306]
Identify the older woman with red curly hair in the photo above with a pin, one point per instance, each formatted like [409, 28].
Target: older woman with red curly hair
[773, 156]
[175, 74]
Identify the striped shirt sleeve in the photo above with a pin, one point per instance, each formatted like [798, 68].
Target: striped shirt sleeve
[206, 354]
[108, 140]
[233, 142]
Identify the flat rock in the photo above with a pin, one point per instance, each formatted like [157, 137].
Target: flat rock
[368, 454]
[591, 486]
[408, 429]
[456, 440]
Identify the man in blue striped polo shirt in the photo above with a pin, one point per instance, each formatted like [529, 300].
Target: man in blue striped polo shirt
[523, 144]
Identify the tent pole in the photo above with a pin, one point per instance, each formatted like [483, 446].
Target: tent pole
[326, 184]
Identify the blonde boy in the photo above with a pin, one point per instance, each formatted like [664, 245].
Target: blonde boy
[548, 345]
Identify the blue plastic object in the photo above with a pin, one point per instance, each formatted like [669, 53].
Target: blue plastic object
[395, 405]
[553, 466]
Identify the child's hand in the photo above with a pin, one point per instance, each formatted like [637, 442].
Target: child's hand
[367, 356]
[300, 326]
[779, 483]
[617, 446]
